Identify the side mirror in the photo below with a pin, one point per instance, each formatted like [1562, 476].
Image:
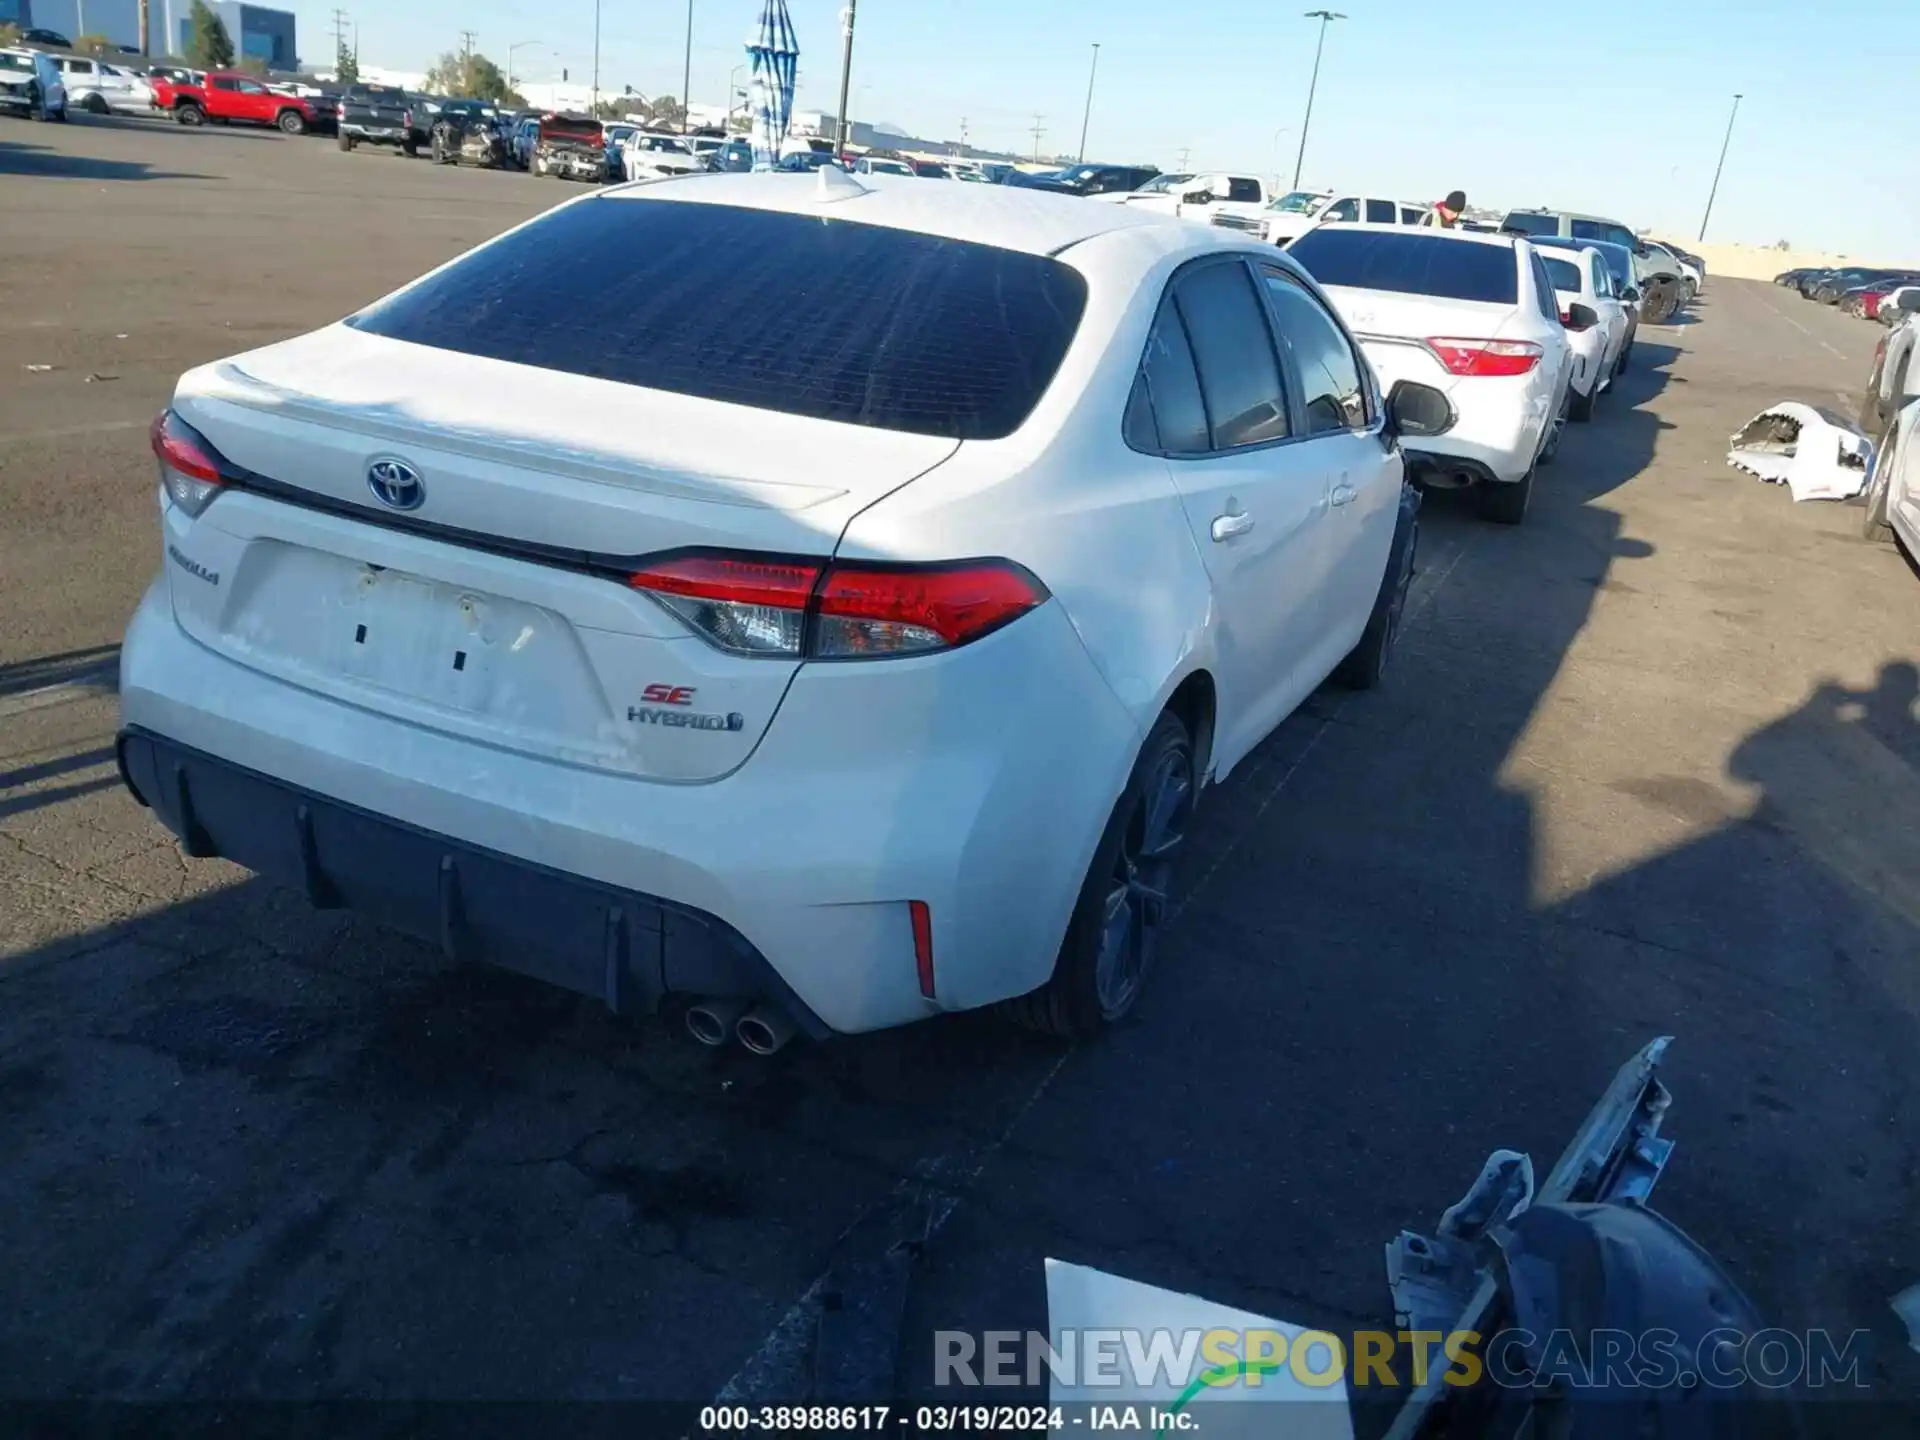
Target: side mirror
[1631, 294]
[1581, 317]
[1418, 411]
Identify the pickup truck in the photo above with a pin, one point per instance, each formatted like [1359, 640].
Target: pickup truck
[1210, 199]
[231, 98]
[375, 115]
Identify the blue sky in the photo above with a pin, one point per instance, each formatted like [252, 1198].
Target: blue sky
[1616, 107]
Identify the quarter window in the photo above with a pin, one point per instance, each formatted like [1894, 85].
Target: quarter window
[1336, 398]
[1166, 413]
[1412, 215]
[1233, 351]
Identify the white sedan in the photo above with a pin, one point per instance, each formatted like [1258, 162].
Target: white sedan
[1596, 318]
[1893, 486]
[1473, 315]
[771, 648]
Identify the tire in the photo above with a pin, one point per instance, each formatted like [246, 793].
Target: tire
[345, 142]
[434, 151]
[190, 115]
[1505, 504]
[59, 116]
[1626, 355]
[1367, 662]
[1124, 901]
[409, 149]
[291, 122]
[1580, 407]
[1557, 432]
[96, 104]
[1873, 524]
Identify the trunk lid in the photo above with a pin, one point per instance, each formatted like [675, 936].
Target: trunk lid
[1392, 327]
[494, 608]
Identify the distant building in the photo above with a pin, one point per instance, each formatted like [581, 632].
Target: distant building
[561, 95]
[16, 12]
[258, 32]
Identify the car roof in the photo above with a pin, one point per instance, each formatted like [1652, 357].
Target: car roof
[1011, 217]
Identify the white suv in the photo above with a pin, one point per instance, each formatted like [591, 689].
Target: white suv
[1288, 218]
[30, 83]
[770, 648]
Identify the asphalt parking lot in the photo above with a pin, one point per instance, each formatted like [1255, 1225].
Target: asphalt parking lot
[1647, 764]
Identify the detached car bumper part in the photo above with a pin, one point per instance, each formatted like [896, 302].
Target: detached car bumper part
[1813, 452]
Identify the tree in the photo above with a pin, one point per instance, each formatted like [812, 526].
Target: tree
[210, 47]
[346, 64]
[94, 45]
[667, 112]
[473, 77]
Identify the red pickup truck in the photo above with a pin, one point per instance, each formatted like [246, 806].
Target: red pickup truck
[231, 98]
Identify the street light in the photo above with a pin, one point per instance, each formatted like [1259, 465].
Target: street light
[1323, 16]
[1717, 168]
[517, 45]
[733, 90]
[846, 74]
[595, 109]
[1276, 150]
[686, 77]
[1087, 114]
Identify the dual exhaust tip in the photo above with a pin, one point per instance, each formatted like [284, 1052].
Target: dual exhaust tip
[761, 1029]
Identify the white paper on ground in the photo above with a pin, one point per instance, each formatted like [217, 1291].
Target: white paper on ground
[1081, 1300]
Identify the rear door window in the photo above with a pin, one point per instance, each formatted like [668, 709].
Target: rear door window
[1242, 191]
[1233, 351]
[800, 313]
[1347, 209]
[1564, 274]
[1422, 262]
[1411, 215]
[1379, 212]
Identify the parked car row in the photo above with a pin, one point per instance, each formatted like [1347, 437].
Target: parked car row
[1886, 295]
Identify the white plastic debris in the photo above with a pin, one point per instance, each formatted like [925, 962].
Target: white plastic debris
[1813, 452]
[39, 369]
[1907, 1306]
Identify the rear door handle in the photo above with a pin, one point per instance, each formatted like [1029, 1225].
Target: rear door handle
[1343, 494]
[1225, 527]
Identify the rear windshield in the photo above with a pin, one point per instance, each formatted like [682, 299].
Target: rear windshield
[804, 314]
[1527, 222]
[1412, 262]
[376, 92]
[1565, 274]
[562, 129]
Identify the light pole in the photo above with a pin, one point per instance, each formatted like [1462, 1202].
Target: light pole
[686, 76]
[733, 92]
[1087, 114]
[1717, 168]
[1276, 150]
[846, 74]
[595, 109]
[517, 45]
[1323, 16]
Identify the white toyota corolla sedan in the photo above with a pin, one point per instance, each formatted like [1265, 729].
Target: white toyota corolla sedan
[817, 599]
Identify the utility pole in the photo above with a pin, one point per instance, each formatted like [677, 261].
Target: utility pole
[846, 74]
[466, 59]
[145, 49]
[963, 136]
[1087, 114]
[339, 35]
[686, 77]
[594, 110]
[1323, 16]
[1037, 130]
[1717, 168]
[1181, 164]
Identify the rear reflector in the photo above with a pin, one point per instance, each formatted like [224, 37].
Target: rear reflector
[1485, 357]
[777, 605]
[190, 468]
[922, 944]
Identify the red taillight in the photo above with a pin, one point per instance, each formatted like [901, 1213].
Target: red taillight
[774, 605]
[189, 467]
[1485, 357]
[922, 944]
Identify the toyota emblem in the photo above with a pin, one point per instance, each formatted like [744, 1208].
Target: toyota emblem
[396, 483]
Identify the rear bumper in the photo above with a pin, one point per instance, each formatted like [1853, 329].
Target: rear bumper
[382, 134]
[574, 165]
[628, 948]
[1500, 426]
[977, 782]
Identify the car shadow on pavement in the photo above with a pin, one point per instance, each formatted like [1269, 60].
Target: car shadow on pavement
[17, 158]
[360, 1169]
[97, 667]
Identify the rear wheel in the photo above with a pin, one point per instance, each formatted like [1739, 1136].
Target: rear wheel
[190, 115]
[95, 104]
[1503, 503]
[1367, 662]
[1125, 900]
[1580, 407]
[291, 122]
